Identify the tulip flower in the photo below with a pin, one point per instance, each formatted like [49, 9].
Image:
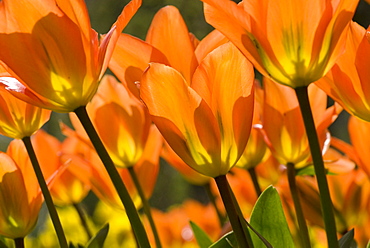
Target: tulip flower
[208, 122]
[67, 189]
[295, 44]
[17, 118]
[20, 199]
[87, 167]
[347, 82]
[284, 128]
[20, 194]
[126, 132]
[55, 57]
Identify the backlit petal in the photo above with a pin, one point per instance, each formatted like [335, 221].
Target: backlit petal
[169, 34]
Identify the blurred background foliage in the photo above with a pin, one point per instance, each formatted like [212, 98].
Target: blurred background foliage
[171, 188]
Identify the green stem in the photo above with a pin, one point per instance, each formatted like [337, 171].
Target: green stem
[146, 206]
[253, 175]
[123, 194]
[244, 222]
[326, 203]
[46, 193]
[212, 199]
[19, 242]
[82, 216]
[303, 230]
[231, 209]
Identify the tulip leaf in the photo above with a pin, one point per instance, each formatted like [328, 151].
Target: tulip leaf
[347, 241]
[306, 171]
[268, 219]
[310, 171]
[202, 238]
[98, 240]
[226, 241]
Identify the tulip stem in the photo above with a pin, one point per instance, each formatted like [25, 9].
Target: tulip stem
[253, 175]
[303, 230]
[232, 210]
[212, 199]
[46, 193]
[82, 216]
[146, 206]
[19, 242]
[325, 200]
[127, 202]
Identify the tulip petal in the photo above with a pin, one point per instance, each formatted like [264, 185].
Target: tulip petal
[169, 34]
[109, 41]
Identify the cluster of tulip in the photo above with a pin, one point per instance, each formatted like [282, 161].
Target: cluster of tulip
[260, 147]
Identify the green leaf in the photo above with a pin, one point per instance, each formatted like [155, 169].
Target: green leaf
[268, 220]
[202, 238]
[226, 241]
[347, 241]
[98, 240]
[306, 171]
[310, 171]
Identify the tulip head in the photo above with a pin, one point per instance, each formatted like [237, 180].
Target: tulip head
[52, 52]
[293, 42]
[19, 119]
[208, 122]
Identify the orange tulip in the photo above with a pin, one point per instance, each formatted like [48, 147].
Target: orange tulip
[207, 123]
[50, 48]
[67, 188]
[20, 199]
[124, 134]
[19, 119]
[20, 194]
[86, 165]
[283, 126]
[347, 82]
[293, 42]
